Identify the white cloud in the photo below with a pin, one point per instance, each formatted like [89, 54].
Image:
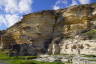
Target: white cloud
[58, 3]
[84, 1]
[25, 5]
[66, 3]
[74, 3]
[2, 20]
[56, 7]
[9, 20]
[2, 2]
[13, 8]
[12, 19]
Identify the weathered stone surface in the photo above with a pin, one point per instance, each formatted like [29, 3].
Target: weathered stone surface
[23, 50]
[55, 31]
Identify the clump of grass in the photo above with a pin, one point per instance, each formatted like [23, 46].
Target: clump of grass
[3, 55]
[91, 59]
[89, 55]
[91, 34]
[32, 62]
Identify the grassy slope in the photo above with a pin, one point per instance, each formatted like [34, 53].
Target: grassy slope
[21, 59]
[31, 62]
[24, 59]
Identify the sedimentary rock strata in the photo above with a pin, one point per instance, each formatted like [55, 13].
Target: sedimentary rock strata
[56, 31]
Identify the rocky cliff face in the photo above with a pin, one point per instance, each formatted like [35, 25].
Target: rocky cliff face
[62, 31]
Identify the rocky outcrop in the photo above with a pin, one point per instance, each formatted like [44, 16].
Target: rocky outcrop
[23, 50]
[1, 38]
[56, 31]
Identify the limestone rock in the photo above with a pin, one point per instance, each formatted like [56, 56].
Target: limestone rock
[54, 31]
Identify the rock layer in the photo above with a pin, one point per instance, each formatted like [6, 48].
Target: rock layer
[60, 31]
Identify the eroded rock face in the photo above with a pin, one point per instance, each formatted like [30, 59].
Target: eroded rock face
[49, 31]
[23, 50]
[78, 47]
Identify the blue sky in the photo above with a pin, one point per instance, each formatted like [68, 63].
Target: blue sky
[11, 11]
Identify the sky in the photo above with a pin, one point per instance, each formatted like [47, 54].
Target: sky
[12, 11]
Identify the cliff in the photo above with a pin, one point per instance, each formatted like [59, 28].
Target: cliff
[56, 31]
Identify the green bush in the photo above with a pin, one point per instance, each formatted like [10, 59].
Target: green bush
[91, 34]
